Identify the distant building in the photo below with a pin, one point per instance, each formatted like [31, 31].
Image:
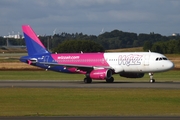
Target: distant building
[15, 36]
[175, 34]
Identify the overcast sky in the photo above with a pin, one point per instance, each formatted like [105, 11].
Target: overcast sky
[90, 16]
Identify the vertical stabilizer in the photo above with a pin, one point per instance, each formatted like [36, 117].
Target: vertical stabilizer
[33, 44]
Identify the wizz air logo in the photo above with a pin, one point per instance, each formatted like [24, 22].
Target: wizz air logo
[68, 57]
[132, 59]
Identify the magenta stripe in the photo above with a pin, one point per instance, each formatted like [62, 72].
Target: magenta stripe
[89, 59]
[29, 32]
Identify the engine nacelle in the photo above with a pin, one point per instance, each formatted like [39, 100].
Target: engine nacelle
[100, 74]
[131, 75]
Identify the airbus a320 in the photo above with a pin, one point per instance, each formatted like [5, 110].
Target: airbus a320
[95, 66]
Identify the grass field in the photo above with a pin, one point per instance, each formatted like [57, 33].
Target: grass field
[135, 49]
[89, 102]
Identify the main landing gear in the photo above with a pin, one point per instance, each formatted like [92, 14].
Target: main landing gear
[151, 78]
[87, 80]
[110, 80]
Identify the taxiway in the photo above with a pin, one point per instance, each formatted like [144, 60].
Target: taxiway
[81, 84]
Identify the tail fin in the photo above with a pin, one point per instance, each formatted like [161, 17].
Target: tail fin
[33, 44]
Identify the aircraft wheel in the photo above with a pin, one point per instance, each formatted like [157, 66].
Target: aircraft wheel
[152, 81]
[111, 80]
[87, 80]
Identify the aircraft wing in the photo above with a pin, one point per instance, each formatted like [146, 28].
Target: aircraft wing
[74, 65]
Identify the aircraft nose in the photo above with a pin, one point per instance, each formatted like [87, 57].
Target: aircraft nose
[170, 65]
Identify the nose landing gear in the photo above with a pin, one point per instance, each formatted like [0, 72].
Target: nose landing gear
[151, 78]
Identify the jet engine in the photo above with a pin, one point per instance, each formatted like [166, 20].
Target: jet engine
[131, 75]
[100, 74]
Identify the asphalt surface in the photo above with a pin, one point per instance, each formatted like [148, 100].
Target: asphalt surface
[80, 84]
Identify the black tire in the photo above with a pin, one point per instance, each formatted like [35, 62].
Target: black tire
[87, 80]
[111, 80]
[152, 81]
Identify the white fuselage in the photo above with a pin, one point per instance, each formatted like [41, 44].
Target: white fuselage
[141, 62]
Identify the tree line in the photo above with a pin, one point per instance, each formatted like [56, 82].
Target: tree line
[110, 40]
[165, 47]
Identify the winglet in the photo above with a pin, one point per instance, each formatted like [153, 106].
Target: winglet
[33, 44]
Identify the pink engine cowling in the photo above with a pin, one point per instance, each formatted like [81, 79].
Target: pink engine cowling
[100, 74]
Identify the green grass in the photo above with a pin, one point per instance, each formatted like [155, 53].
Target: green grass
[134, 49]
[172, 75]
[89, 102]
[38, 75]
[11, 57]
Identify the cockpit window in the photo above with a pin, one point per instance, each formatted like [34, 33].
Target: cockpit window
[164, 58]
[161, 58]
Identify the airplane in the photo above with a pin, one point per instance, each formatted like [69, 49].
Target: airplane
[96, 66]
